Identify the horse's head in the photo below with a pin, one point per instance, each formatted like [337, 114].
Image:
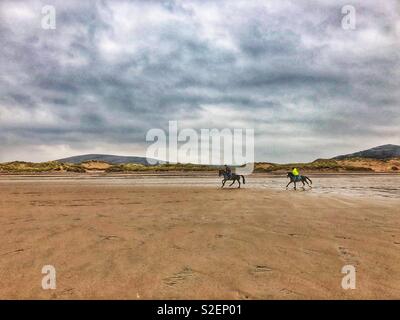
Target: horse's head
[220, 173]
[289, 174]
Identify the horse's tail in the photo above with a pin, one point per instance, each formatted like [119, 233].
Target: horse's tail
[309, 179]
[244, 181]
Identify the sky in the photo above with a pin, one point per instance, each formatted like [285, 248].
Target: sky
[112, 70]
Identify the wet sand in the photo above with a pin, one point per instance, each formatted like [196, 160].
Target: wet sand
[356, 184]
[168, 241]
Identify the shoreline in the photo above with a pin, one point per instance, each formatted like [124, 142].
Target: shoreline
[359, 186]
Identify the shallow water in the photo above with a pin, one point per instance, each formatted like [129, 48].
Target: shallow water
[381, 185]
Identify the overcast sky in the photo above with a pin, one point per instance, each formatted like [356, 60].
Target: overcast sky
[111, 70]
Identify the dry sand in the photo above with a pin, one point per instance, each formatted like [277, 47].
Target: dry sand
[153, 242]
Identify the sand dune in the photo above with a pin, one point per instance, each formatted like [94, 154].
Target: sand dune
[116, 241]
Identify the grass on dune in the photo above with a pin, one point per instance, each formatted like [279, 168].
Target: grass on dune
[31, 167]
[131, 167]
[319, 165]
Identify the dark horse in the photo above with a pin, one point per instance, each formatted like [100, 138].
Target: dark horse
[234, 177]
[299, 179]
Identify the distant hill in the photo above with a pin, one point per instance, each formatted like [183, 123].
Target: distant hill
[386, 151]
[112, 159]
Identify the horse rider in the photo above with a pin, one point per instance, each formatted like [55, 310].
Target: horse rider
[295, 172]
[228, 172]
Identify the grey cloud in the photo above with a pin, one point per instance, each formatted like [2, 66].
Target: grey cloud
[111, 71]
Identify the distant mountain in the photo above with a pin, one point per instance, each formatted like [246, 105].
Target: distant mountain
[112, 159]
[382, 152]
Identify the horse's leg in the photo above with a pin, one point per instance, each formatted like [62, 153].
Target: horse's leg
[223, 183]
[288, 184]
[238, 180]
[294, 185]
[307, 178]
[232, 182]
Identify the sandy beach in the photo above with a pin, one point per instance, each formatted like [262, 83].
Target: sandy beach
[168, 241]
